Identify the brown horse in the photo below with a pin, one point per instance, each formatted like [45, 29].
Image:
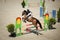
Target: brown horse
[26, 16]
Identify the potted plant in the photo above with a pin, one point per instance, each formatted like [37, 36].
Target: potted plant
[52, 22]
[58, 15]
[10, 29]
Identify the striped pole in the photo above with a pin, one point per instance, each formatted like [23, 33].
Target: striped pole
[46, 20]
[41, 8]
[18, 26]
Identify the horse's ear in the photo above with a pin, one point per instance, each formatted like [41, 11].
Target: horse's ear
[28, 11]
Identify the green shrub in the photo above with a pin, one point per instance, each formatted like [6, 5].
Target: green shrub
[23, 4]
[58, 13]
[10, 28]
[52, 21]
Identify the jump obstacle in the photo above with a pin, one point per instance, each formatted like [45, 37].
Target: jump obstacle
[46, 19]
[19, 26]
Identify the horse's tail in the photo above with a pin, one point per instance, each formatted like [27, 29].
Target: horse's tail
[40, 26]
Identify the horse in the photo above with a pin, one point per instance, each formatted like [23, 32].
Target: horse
[27, 16]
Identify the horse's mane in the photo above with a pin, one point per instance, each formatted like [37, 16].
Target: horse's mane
[24, 12]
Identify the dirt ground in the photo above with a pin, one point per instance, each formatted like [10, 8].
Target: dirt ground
[46, 35]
